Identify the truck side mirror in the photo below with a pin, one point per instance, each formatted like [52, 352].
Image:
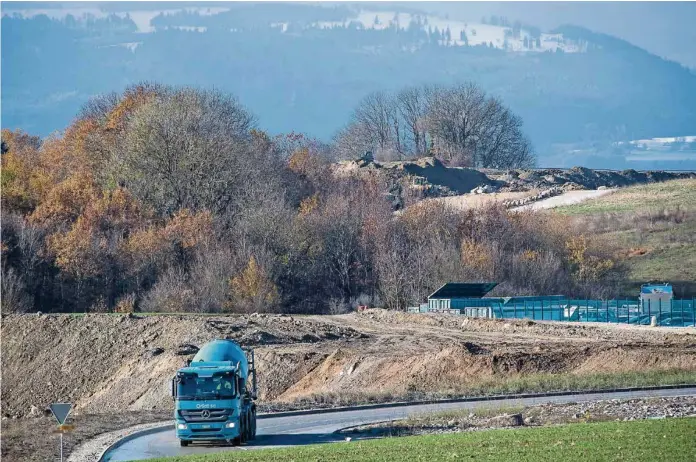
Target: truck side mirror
[174, 388]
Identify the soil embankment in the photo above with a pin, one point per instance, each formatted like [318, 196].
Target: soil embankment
[434, 179]
[107, 363]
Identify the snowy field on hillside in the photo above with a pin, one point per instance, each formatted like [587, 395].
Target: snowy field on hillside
[665, 143]
[141, 18]
[461, 33]
[476, 33]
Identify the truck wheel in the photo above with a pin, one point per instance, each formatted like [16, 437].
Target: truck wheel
[253, 424]
[242, 429]
[184, 443]
[236, 441]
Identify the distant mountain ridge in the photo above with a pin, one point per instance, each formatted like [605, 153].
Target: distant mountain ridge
[586, 89]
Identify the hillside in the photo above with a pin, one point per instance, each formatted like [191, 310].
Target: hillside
[654, 227]
[573, 87]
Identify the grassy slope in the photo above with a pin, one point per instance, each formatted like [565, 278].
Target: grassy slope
[635, 198]
[649, 440]
[654, 224]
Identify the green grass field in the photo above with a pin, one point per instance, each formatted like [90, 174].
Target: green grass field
[649, 440]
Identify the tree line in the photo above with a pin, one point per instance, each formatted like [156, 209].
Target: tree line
[459, 124]
[172, 199]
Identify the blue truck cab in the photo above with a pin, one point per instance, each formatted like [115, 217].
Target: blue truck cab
[214, 395]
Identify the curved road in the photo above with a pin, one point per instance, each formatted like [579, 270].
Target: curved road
[319, 427]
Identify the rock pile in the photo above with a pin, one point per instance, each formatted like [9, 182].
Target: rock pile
[484, 189]
[555, 191]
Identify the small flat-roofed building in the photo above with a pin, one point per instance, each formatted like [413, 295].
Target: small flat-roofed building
[469, 299]
[453, 296]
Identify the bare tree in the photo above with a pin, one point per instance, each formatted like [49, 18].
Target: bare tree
[375, 126]
[14, 296]
[455, 121]
[188, 149]
[502, 143]
[412, 103]
[374, 114]
[463, 125]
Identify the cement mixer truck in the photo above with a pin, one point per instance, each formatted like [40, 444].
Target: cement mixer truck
[214, 395]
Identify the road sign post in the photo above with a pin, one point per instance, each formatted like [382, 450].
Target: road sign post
[61, 411]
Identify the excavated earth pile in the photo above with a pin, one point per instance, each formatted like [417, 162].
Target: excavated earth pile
[429, 177]
[107, 363]
[578, 178]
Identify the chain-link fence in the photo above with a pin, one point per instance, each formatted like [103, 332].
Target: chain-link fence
[678, 313]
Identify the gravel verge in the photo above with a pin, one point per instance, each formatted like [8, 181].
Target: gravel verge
[546, 414]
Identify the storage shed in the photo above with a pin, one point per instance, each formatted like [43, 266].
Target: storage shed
[454, 297]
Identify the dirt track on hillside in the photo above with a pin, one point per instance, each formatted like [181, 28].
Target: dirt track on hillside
[567, 198]
[106, 363]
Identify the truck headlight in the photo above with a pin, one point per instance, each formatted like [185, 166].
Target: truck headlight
[229, 425]
[181, 426]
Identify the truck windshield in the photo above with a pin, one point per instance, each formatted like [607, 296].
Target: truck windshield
[206, 388]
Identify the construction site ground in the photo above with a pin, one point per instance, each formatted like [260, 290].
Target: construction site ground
[116, 368]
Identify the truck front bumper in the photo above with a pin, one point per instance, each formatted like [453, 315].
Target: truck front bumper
[207, 431]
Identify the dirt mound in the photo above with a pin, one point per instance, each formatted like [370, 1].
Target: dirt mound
[578, 178]
[106, 363]
[458, 180]
[429, 177]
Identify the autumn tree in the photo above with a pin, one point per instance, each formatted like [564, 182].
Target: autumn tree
[252, 290]
[20, 153]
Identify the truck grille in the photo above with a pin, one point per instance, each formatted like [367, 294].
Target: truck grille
[206, 430]
[204, 415]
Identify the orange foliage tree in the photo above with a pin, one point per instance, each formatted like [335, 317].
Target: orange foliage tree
[20, 153]
[252, 289]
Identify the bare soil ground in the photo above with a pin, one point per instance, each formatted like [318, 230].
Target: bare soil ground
[470, 201]
[120, 365]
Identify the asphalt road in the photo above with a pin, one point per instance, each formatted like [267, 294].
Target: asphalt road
[319, 428]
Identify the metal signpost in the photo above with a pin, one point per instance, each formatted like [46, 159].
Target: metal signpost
[60, 412]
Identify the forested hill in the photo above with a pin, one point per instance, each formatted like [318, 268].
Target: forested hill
[303, 68]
